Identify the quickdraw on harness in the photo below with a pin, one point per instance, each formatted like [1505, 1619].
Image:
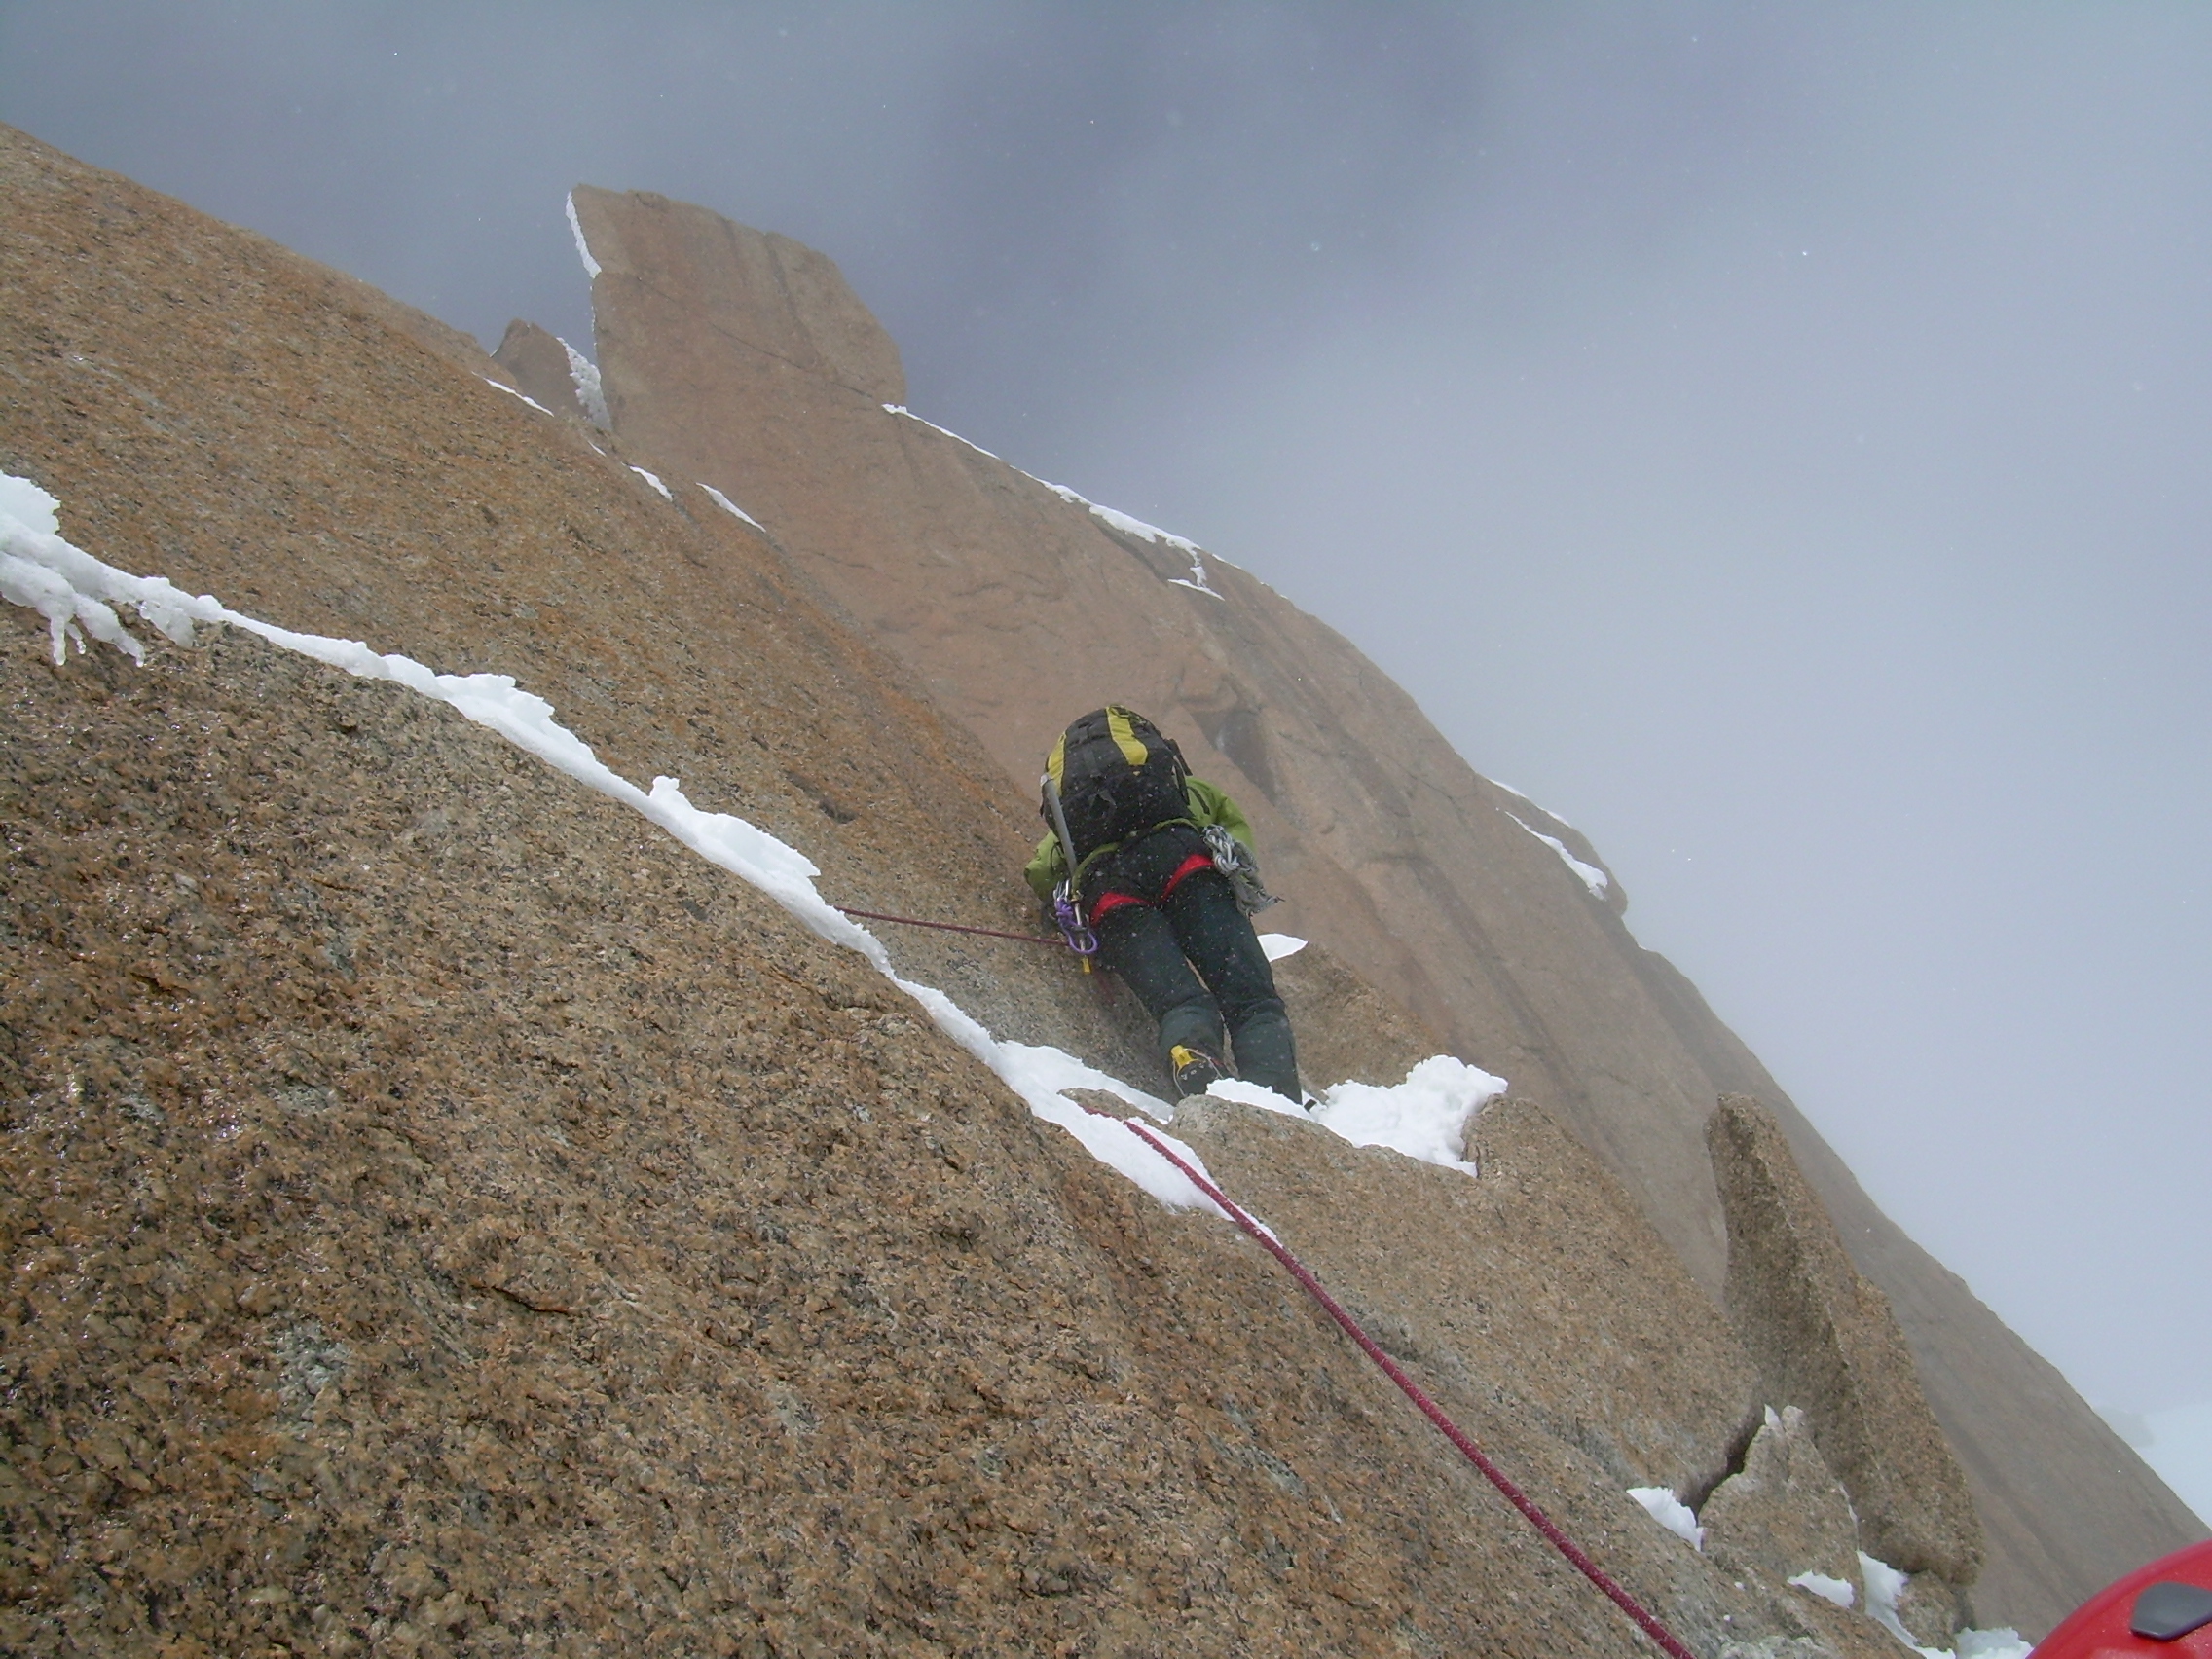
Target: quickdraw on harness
[1074, 931]
[1067, 908]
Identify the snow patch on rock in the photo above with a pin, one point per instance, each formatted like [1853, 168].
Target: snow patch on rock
[1122, 522]
[585, 374]
[1520, 794]
[1196, 580]
[583, 247]
[72, 590]
[1424, 1117]
[1828, 1589]
[512, 393]
[1590, 875]
[731, 507]
[1885, 1587]
[1670, 1512]
[30, 507]
[901, 409]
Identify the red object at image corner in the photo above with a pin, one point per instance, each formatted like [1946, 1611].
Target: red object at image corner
[2100, 1627]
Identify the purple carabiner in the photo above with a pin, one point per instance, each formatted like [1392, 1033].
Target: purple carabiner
[1081, 939]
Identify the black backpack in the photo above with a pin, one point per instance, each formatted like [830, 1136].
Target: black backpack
[1118, 775]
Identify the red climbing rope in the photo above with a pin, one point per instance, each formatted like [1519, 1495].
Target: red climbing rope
[1647, 1621]
[951, 927]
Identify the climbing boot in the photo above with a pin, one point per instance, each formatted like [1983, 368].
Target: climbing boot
[1265, 1055]
[1196, 1070]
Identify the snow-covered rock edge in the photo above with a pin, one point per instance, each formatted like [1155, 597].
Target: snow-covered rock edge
[1590, 875]
[1196, 582]
[78, 595]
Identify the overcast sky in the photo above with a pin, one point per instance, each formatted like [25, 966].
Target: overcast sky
[1774, 437]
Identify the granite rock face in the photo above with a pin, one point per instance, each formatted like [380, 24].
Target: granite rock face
[1508, 1291]
[1824, 1340]
[1017, 605]
[764, 292]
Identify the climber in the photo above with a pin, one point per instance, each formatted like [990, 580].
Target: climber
[1159, 866]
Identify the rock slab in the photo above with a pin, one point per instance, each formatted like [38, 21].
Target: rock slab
[539, 365]
[1824, 1340]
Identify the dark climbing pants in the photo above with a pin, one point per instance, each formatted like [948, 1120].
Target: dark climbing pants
[1154, 947]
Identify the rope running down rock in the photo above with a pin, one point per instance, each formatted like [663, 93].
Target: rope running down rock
[949, 927]
[1646, 1620]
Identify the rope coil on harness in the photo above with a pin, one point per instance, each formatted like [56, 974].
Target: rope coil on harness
[1645, 1620]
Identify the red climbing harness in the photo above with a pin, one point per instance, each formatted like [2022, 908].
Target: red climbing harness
[1106, 903]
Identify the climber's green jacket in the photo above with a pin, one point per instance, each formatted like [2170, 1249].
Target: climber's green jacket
[1208, 806]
